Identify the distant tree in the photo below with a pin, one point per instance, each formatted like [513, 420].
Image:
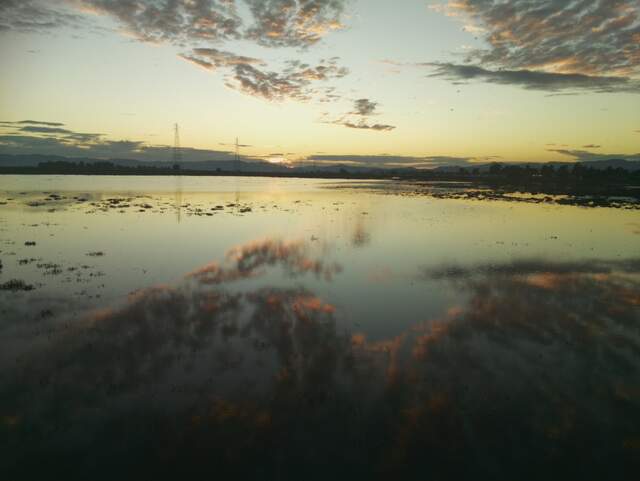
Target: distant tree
[495, 168]
[563, 172]
[578, 170]
[547, 171]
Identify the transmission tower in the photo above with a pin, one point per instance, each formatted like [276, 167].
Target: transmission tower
[177, 153]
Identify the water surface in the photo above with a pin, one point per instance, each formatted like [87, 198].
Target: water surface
[287, 328]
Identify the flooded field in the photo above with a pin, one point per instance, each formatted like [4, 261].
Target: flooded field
[293, 329]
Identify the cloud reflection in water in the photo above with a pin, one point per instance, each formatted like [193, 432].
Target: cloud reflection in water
[535, 371]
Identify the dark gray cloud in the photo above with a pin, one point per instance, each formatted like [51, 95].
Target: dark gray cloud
[68, 143]
[591, 146]
[32, 122]
[36, 15]
[358, 117]
[83, 137]
[592, 37]
[69, 146]
[29, 144]
[189, 23]
[211, 58]
[365, 126]
[295, 82]
[293, 23]
[16, 139]
[248, 75]
[524, 267]
[584, 155]
[39, 132]
[272, 23]
[175, 21]
[552, 45]
[534, 80]
[45, 130]
[329, 94]
[364, 107]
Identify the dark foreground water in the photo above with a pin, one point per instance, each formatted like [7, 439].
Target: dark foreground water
[292, 329]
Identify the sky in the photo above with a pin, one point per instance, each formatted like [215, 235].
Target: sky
[371, 82]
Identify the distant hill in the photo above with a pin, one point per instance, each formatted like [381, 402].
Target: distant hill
[630, 165]
[7, 160]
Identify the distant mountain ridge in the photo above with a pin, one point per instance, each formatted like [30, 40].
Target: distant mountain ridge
[630, 165]
[32, 160]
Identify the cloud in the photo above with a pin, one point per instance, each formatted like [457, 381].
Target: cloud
[364, 107]
[533, 80]
[282, 343]
[584, 155]
[32, 122]
[271, 23]
[357, 118]
[36, 16]
[23, 144]
[68, 143]
[62, 136]
[390, 161]
[45, 130]
[591, 146]
[382, 159]
[592, 37]
[189, 23]
[174, 21]
[249, 261]
[76, 145]
[293, 23]
[211, 58]
[584, 45]
[366, 126]
[295, 82]
[56, 141]
[261, 368]
[526, 267]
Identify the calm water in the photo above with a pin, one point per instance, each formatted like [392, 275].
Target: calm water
[307, 329]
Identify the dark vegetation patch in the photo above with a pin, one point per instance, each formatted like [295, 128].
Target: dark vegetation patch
[15, 285]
